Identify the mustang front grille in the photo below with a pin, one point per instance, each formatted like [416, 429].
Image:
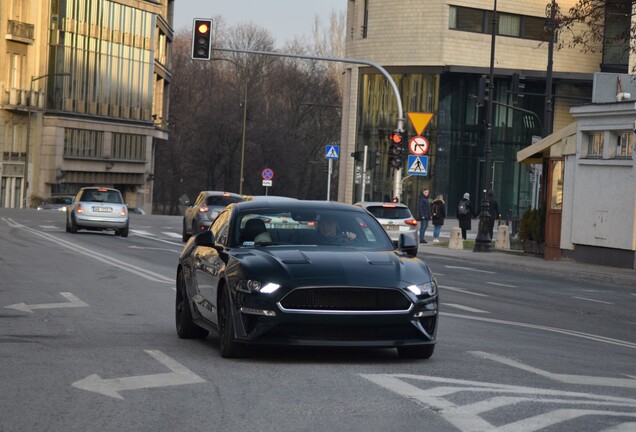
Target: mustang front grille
[346, 299]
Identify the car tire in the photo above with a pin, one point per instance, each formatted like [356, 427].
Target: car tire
[184, 235]
[73, 226]
[123, 232]
[416, 352]
[230, 348]
[186, 328]
[68, 225]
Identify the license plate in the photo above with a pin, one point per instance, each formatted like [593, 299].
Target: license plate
[391, 227]
[102, 209]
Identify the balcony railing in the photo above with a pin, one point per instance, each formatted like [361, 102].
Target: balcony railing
[20, 32]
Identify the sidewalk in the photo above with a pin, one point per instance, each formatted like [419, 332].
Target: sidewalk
[517, 259]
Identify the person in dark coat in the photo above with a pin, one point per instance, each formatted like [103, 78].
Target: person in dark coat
[493, 210]
[438, 213]
[424, 210]
[465, 214]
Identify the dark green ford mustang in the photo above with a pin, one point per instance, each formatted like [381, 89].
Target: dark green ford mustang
[305, 273]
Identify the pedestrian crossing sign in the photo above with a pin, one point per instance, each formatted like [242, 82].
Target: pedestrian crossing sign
[332, 152]
[418, 165]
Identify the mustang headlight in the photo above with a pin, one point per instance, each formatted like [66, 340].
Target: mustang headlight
[428, 288]
[251, 286]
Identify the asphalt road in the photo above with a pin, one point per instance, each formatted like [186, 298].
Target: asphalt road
[87, 342]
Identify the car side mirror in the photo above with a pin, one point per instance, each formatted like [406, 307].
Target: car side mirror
[407, 244]
[205, 238]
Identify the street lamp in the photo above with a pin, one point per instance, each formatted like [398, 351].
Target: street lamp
[482, 241]
[27, 184]
[549, 27]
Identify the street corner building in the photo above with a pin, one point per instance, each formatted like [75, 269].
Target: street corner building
[84, 90]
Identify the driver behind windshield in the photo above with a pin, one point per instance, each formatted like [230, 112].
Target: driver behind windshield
[328, 231]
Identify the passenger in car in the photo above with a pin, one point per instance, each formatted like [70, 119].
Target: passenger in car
[255, 231]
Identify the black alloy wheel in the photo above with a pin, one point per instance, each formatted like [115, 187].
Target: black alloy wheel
[229, 347]
[186, 328]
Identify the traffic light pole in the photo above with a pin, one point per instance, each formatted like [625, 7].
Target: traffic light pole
[397, 184]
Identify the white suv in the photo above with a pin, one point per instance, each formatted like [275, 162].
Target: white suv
[395, 218]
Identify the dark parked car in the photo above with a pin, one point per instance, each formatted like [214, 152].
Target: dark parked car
[329, 277]
[206, 207]
[56, 202]
[98, 209]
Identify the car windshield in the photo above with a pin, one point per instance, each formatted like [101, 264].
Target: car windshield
[309, 227]
[382, 212]
[221, 201]
[104, 196]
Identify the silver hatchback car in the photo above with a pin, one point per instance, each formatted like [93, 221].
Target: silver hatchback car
[98, 209]
[396, 218]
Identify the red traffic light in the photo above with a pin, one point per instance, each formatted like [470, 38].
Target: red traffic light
[395, 137]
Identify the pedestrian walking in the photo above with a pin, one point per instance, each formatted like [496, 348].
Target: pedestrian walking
[438, 210]
[465, 214]
[424, 209]
[493, 210]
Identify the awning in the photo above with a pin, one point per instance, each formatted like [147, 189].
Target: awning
[535, 152]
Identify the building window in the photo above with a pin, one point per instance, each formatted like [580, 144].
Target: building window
[467, 19]
[595, 145]
[129, 147]
[624, 145]
[83, 144]
[480, 21]
[556, 201]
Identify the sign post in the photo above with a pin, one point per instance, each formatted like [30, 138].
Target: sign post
[332, 152]
[267, 174]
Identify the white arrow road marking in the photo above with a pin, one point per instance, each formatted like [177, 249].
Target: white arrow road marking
[463, 291]
[180, 375]
[466, 308]
[72, 302]
[564, 378]
[469, 269]
[483, 398]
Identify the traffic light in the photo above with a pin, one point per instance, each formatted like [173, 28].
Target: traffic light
[374, 159]
[518, 87]
[201, 39]
[483, 90]
[397, 139]
[357, 156]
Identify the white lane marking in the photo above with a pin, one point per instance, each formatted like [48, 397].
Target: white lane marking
[574, 333]
[97, 256]
[140, 232]
[152, 237]
[72, 302]
[563, 378]
[171, 234]
[501, 285]
[48, 227]
[180, 375]
[466, 308]
[463, 291]
[592, 300]
[153, 248]
[470, 269]
[439, 394]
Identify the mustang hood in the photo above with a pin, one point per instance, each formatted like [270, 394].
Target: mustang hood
[335, 266]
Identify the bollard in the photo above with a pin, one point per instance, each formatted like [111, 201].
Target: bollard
[456, 241]
[503, 238]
